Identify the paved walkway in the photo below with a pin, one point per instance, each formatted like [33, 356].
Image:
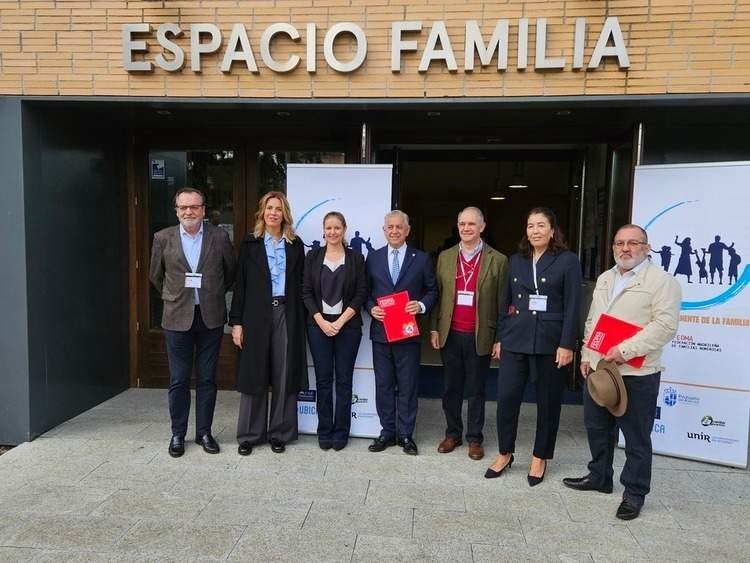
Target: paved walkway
[102, 487]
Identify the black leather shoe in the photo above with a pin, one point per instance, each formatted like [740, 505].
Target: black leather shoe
[177, 446]
[627, 511]
[408, 445]
[277, 446]
[324, 444]
[209, 444]
[534, 481]
[380, 443]
[246, 448]
[586, 484]
[492, 474]
[338, 446]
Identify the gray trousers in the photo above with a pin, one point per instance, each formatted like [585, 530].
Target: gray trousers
[253, 423]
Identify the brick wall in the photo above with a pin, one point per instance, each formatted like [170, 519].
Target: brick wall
[73, 47]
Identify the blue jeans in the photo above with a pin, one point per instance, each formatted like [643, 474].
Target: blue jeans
[334, 356]
[202, 344]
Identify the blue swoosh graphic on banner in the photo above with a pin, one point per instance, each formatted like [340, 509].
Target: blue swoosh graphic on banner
[667, 210]
[313, 208]
[733, 290]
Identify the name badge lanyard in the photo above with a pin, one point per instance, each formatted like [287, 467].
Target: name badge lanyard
[464, 278]
[533, 267]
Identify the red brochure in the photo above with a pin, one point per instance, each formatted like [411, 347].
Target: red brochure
[398, 323]
[610, 331]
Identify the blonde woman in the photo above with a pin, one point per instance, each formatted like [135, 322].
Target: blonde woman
[268, 327]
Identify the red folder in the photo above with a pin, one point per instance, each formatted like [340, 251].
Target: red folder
[398, 323]
[610, 331]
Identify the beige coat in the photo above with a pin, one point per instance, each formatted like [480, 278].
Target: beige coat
[493, 270]
[651, 300]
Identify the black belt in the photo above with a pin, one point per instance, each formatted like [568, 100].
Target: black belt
[276, 301]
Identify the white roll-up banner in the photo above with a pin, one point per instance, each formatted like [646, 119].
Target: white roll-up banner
[698, 221]
[362, 192]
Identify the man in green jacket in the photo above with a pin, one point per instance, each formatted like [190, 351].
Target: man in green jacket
[471, 278]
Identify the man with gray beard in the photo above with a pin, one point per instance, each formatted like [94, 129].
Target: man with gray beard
[641, 293]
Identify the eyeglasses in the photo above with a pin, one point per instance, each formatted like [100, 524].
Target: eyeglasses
[624, 243]
[184, 208]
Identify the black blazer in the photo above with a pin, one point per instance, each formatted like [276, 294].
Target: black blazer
[251, 308]
[541, 332]
[355, 283]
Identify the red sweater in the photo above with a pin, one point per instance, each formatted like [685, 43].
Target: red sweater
[465, 316]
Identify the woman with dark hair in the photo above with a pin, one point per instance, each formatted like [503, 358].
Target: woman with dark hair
[684, 266]
[537, 336]
[334, 289]
[267, 308]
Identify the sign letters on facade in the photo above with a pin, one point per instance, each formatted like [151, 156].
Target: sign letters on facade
[207, 38]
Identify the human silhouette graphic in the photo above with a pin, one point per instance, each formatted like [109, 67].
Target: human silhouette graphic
[684, 265]
[666, 256]
[369, 246]
[701, 263]
[314, 246]
[734, 261]
[716, 263]
[356, 243]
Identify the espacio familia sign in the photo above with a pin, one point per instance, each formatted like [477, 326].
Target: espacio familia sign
[207, 39]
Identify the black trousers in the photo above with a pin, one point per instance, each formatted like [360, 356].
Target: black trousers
[202, 344]
[515, 369]
[636, 425]
[334, 357]
[465, 371]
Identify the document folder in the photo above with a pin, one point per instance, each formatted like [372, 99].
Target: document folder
[610, 331]
[398, 324]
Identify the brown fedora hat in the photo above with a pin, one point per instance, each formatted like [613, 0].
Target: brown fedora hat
[607, 388]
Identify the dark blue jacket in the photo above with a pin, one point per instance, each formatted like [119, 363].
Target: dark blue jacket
[536, 332]
[416, 276]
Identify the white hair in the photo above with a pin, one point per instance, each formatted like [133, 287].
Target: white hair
[396, 213]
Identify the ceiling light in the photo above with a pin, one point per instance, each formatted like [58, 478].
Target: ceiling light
[283, 114]
[497, 198]
[163, 112]
[433, 114]
[518, 186]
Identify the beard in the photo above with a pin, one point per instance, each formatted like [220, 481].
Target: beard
[628, 264]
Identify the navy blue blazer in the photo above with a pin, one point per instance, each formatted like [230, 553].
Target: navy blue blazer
[416, 276]
[536, 332]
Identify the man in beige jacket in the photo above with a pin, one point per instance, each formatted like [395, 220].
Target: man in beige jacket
[641, 293]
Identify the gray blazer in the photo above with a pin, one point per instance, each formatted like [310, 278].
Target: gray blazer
[169, 266]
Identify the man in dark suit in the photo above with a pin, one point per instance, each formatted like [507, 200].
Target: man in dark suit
[192, 266]
[391, 269]
[471, 277]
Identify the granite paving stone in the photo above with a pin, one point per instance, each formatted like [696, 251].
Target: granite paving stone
[287, 545]
[328, 517]
[408, 495]
[371, 547]
[502, 529]
[163, 538]
[101, 487]
[62, 531]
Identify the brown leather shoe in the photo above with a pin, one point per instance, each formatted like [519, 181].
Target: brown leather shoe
[449, 444]
[476, 451]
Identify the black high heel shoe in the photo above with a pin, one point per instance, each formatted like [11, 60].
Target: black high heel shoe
[492, 474]
[534, 481]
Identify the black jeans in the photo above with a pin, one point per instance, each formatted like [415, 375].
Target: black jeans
[636, 425]
[334, 356]
[464, 371]
[202, 344]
